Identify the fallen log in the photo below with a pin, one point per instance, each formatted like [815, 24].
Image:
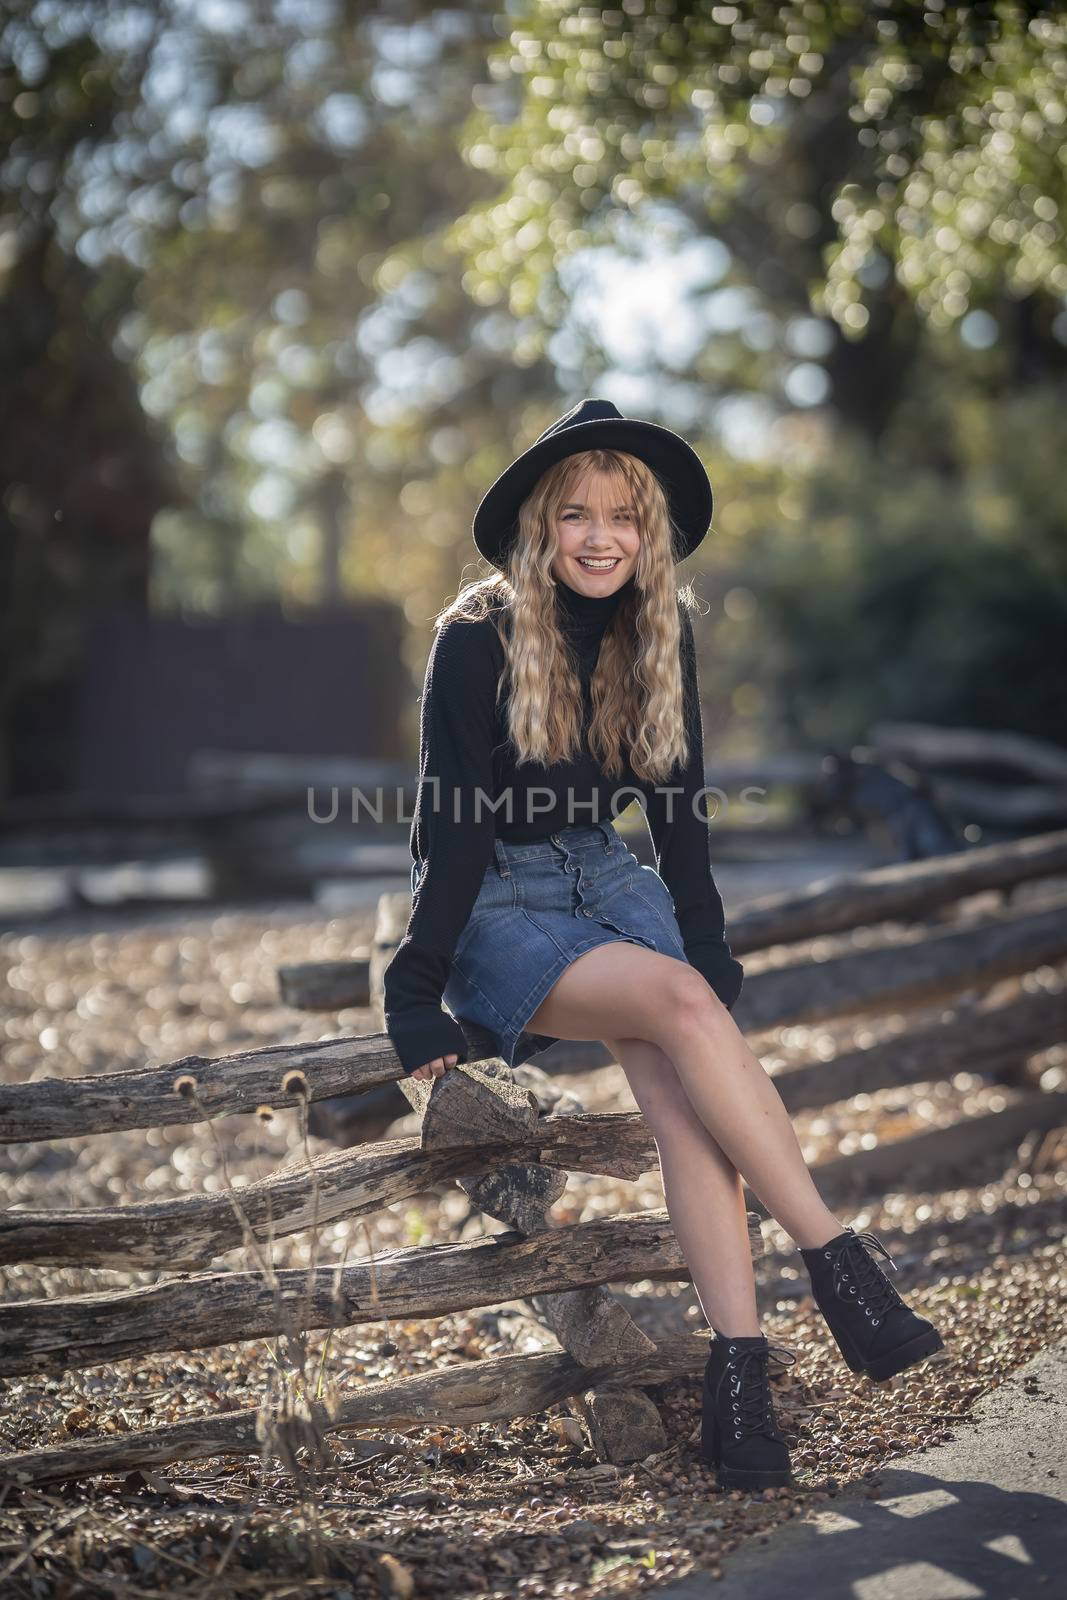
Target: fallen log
[49, 1336]
[495, 1390]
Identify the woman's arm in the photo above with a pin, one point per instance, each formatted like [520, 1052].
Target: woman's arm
[454, 842]
[683, 847]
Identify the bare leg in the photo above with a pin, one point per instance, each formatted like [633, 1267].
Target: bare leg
[702, 1189]
[623, 991]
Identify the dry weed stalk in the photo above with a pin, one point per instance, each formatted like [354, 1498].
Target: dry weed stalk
[290, 1420]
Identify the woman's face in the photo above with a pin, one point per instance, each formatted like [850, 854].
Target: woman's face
[594, 525]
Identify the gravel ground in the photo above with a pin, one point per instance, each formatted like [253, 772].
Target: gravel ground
[490, 1510]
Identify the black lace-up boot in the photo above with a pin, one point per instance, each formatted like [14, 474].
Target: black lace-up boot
[877, 1334]
[739, 1434]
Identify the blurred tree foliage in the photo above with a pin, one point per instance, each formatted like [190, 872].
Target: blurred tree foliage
[226, 216]
[288, 282]
[306, 337]
[882, 587]
[884, 164]
[895, 169]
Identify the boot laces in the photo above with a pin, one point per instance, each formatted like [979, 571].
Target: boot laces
[859, 1278]
[749, 1385]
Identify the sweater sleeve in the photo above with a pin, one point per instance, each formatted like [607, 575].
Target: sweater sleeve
[453, 832]
[678, 824]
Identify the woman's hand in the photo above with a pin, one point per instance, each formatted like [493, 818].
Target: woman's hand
[435, 1069]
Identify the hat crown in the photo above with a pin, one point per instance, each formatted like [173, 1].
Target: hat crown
[584, 411]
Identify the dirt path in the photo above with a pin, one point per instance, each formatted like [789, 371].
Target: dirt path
[982, 1514]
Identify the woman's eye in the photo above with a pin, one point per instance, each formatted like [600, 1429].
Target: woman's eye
[576, 516]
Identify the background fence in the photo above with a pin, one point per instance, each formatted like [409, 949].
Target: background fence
[980, 934]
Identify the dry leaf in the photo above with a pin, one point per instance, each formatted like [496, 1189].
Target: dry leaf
[398, 1577]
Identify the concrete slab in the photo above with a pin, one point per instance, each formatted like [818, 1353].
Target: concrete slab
[982, 1516]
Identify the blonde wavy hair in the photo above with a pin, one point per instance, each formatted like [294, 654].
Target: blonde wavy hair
[636, 689]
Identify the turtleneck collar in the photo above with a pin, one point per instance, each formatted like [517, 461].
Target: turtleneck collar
[588, 614]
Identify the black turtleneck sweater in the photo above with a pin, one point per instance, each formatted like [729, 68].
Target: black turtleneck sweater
[464, 745]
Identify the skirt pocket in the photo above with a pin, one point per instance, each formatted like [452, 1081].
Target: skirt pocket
[647, 886]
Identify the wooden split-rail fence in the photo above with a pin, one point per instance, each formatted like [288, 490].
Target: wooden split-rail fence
[938, 933]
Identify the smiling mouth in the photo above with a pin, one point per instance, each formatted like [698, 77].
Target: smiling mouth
[598, 564]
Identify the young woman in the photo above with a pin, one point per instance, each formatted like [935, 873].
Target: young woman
[557, 691]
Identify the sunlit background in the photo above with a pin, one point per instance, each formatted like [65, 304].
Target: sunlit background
[286, 285]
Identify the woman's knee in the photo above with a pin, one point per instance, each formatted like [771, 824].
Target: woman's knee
[688, 1006]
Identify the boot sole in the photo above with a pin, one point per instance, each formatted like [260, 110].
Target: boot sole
[746, 1477]
[740, 1478]
[894, 1361]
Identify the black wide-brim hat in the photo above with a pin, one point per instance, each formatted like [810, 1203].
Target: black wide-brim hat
[598, 425]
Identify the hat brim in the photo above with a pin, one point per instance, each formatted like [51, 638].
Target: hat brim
[671, 458]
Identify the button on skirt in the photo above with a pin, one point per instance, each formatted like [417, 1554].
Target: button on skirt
[541, 905]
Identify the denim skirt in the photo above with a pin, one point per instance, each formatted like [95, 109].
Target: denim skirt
[542, 904]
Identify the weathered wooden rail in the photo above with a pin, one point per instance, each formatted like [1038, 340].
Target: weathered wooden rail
[210, 1309]
[496, 1389]
[903, 892]
[933, 965]
[508, 1139]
